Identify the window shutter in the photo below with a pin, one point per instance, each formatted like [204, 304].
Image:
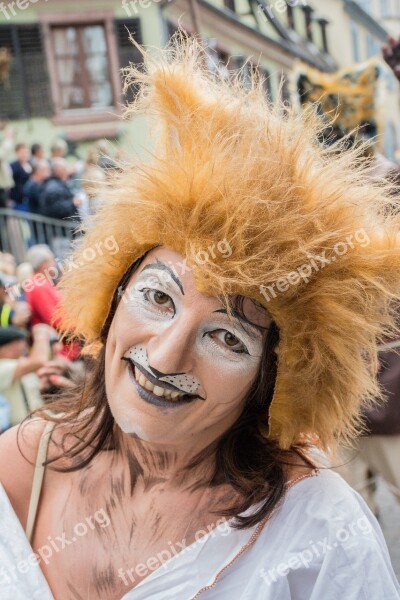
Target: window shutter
[26, 91]
[126, 51]
[35, 71]
[11, 97]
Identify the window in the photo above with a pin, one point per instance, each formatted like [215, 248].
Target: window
[266, 76]
[323, 24]
[373, 48]
[384, 8]
[85, 52]
[365, 4]
[308, 18]
[217, 58]
[25, 88]
[82, 68]
[355, 37]
[290, 17]
[127, 52]
[230, 4]
[284, 89]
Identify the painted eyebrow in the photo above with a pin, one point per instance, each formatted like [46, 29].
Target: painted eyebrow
[237, 316]
[162, 267]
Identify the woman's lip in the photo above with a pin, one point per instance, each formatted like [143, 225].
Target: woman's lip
[151, 398]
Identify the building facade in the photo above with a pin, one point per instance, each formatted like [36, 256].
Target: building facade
[386, 12]
[60, 61]
[357, 35]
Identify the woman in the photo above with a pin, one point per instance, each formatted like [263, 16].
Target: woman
[233, 338]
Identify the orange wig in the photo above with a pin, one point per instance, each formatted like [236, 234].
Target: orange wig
[313, 239]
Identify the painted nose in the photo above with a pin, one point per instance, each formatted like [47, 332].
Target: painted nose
[160, 374]
[170, 351]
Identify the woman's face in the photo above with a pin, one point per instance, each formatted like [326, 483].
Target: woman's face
[177, 367]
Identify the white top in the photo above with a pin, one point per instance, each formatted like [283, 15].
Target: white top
[323, 543]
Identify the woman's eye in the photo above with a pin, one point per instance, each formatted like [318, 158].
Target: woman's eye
[230, 340]
[158, 298]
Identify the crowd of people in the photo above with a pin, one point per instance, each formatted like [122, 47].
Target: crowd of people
[34, 362]
[51, 186]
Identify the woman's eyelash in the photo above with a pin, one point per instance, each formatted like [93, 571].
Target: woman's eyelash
[145, 291]
[243, 350]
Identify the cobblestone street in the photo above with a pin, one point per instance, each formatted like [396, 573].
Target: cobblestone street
[390, 523]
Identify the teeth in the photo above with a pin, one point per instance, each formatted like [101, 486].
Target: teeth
[157, 390]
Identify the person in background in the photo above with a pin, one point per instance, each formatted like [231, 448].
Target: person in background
[5, 422]
[377, 452]
[33, 187]
[6, 176]
[59, 149]
[37, 152]
[17, 313]
[8, 264]
[21, 169]
[19, 383]
[60, 373]
[107, 156]
[24, 272]
[44, 297]
[391, 54]
[56, 199]
[92, 178]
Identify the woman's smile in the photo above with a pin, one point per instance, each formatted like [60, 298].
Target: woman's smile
[154, 391]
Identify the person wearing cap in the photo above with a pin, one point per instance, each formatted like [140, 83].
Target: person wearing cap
[19, 383]
[233, 340]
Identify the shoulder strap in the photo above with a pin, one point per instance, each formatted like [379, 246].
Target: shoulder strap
[38, 478]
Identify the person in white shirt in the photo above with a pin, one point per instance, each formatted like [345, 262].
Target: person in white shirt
[18, 380]
[232, 342]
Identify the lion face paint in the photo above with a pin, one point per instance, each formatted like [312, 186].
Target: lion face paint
[177, 367]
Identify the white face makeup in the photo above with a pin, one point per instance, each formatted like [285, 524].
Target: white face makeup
[177, 367]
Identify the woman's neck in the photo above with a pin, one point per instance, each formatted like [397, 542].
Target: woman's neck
[177, 466]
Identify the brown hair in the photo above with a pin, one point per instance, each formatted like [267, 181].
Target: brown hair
[244, 458]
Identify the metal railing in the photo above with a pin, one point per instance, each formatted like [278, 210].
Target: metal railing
[19, 230]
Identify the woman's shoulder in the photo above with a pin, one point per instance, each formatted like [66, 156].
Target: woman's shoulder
[324, 541]
[18, 451]
[325, 495]
[324, 509]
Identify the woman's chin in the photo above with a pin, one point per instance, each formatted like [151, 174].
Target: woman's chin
[143, 428]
